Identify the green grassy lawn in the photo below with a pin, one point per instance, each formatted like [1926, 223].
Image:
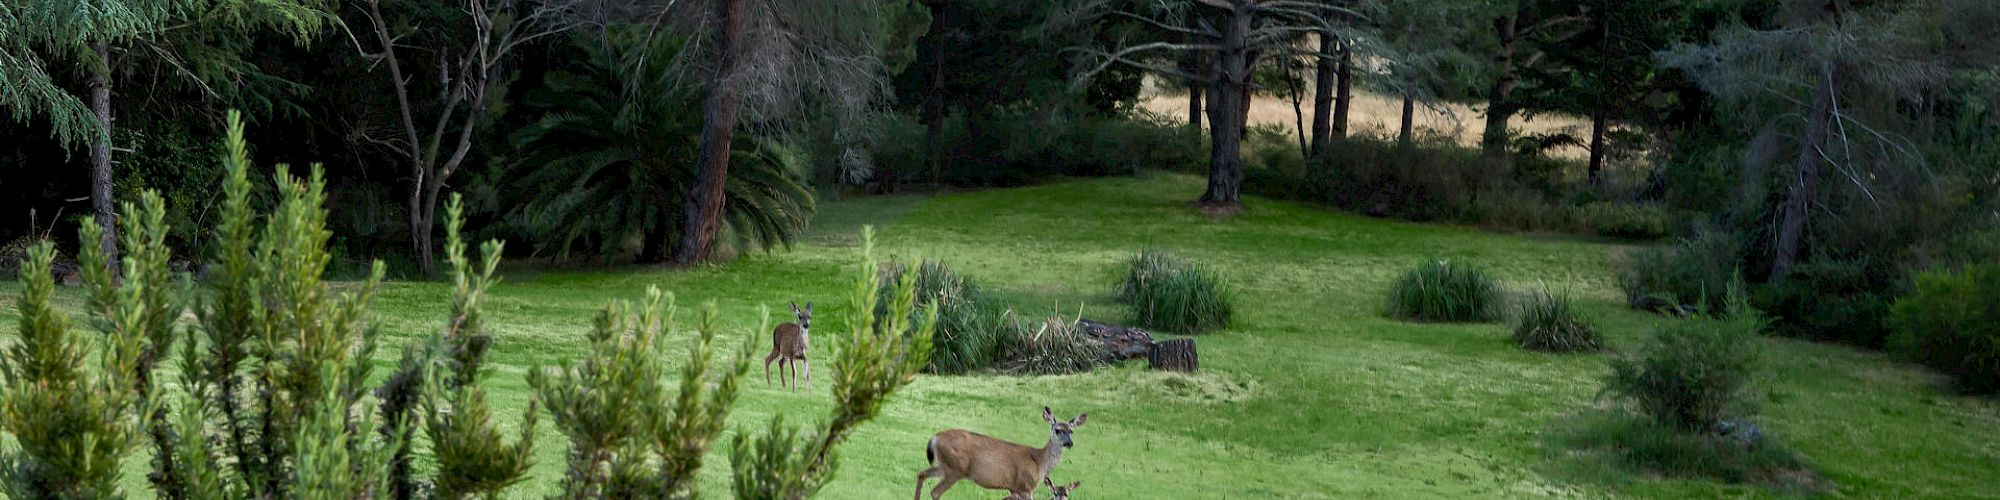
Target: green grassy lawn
[1311, 394]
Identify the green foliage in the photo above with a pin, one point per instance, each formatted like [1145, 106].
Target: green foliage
[609, 161]
[1951, 323]
[877, 355]
[613, 405]
[1833, 300]
[1626, 220]
[473, 459]
[1546, 323]
[968, 334]
[1699, 271]
[1645, 445]
[1021, 146]
[70, 427]
[1169, 293]
[1441, 291]
[1050, 346]
[1429, 180]
[1691, 376]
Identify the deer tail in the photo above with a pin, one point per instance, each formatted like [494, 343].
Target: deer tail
[930, 451]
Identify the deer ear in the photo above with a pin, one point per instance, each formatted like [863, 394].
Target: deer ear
[1050, 416]
[1073, 485]
[795, 307]
[1047, 482]
[809, 307]
[1078, 421]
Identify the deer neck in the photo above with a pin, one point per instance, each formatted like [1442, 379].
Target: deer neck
[1049, 455]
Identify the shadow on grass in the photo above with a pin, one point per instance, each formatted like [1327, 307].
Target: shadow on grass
[1611, 446]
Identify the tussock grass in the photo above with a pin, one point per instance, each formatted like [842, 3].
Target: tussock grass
[1546, 322]
[969, 334]
[1169, 293]
[1444, 292]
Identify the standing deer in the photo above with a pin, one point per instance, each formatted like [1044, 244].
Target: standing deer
[788, 344]
[994, 464]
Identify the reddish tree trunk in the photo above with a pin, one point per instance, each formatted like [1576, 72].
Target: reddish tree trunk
[101, 203]
[1797, 209]
[718, 128]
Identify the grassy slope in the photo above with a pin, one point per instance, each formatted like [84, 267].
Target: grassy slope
[1311, 394]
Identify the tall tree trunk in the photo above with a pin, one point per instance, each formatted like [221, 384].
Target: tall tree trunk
[1191, 62]
[1404, 136]
[1597, 144]
[101, 203]
[1805, 184]
[1604, 78]
[934, 103]
[1499, 107]
[1298, 111]
[1195, 90]
[718, 128]
[1228, 105]
[1343, 98]
[1323, 76]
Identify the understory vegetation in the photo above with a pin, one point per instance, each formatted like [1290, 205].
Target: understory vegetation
[1441, 291]
[1546, 322]
[1167, 292]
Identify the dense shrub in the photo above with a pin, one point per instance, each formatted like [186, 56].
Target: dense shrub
[1691, 376]
[1168, 293]
[1951, 323]
[1698, 272]
[969, 335]
[1833, 300]
[1050, 346]
[1546, 323]
[1017, 146]
[1626, 220]
[1445, 292]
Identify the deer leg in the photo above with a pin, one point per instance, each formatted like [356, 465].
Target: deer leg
[784, 378]
[808, 371]
[767, 366]
[944, 485]
[921, 477]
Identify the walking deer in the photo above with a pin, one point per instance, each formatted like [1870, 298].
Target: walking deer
[788, 344]
[994, 464]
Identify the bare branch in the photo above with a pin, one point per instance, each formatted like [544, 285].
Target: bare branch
[1207, 32]
[1111, 58]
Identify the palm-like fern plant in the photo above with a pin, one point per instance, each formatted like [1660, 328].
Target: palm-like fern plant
[612, 156]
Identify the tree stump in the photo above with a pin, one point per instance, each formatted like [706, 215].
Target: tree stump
[1174, 355]
[1120, 343]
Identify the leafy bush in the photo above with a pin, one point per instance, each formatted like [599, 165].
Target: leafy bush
[1444, 292]
[605, 168]
[1546, 323]
[1698, 271]
[1168, 293]
[969, 335]
[1051, 346]
[1626, 220]
[1951, 323]
[1833, 300]
[1691, 376]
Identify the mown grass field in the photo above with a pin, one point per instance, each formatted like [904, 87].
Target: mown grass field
[1311, 394]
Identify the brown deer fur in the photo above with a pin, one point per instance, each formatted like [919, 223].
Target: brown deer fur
[788, 344]
[994, 464]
